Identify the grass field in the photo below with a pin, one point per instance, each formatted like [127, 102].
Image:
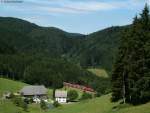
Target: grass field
[99, 72]
[96, 105]
[9, 85]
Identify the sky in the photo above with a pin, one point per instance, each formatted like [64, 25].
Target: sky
[78, 16]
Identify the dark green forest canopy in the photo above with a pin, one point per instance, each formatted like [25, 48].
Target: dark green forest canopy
[96, 49]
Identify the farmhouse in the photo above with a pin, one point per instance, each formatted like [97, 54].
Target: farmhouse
[61, 96]
[38, 91]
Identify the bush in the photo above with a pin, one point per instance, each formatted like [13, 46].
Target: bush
[72, 95]
[97, 94]
[24, 106]
[17, 101]
[86, 96]
[56, 104]
[27, 100]
[11, 95]
[43, 105]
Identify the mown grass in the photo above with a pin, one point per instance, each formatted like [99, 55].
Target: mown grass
[8, 107]
[97, 105]
[99, 72]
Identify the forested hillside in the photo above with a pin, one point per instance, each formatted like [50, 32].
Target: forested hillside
[35, 54]
[30, 38]
[101, 47]
[96, 49]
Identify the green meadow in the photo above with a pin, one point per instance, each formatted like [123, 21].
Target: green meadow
[97, 105]
[9, 85]
[99, 72]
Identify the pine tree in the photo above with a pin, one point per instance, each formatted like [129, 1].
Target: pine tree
[137, 59]
[119, 78]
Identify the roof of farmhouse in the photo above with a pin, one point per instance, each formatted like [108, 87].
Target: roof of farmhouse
[33, 90]
[60, 93]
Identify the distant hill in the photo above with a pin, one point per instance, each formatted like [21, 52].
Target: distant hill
[100, 48]
[96, 49]
[30, 38]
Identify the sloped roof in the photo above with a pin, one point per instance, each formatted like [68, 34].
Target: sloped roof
[60, 93]
[33, 90]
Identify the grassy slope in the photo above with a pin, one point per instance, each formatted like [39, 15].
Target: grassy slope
[99, 72]
[9, 85]
[8, 107]
[13, 86]
[97, 105]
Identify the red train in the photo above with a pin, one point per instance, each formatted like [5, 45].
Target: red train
[83, 88]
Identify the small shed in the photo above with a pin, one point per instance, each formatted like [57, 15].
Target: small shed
[34, 91]
[61, 96]
[7, 95]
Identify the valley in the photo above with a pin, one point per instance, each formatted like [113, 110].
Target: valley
[49, 70]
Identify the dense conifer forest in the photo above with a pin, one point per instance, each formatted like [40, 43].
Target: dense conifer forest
[96, 49]
[131, 72]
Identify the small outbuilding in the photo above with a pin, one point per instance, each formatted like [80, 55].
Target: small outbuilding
[61, 96]
[32, 91]
[7, 95]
